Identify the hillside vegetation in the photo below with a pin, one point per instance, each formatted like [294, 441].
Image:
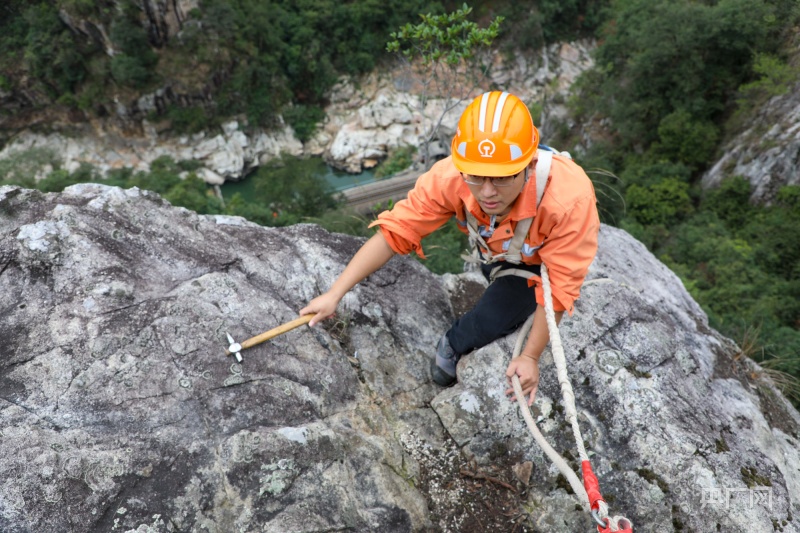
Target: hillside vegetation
[673, 79]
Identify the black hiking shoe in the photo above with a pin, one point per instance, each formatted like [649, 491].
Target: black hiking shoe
[443, 366]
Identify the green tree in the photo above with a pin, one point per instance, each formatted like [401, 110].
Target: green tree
[773, 77]
[303, 119]
[778, 247]
[52, 54]
[13, 29]
[193, 193]
[443, 249]
[164, 174]
[645, 170]
[292, 189]
[241, 207]
[399, 159]
[135, 61]
[58, 180]
[661, 56]
[664, 203]
[287, 54]
[731, 202]
[439, 48]
[687, 140]
[20, 168]
[743, 267]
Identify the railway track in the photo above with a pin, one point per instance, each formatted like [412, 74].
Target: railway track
[364, 198]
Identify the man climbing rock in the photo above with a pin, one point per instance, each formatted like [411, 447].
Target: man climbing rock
[520, 204]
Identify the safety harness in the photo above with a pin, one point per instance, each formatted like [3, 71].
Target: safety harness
[480, 250]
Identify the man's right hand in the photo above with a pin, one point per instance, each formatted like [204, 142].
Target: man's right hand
[369, 258]
[323, 305]
[527, 369]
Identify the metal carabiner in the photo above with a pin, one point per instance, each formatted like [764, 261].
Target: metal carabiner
[602, 522]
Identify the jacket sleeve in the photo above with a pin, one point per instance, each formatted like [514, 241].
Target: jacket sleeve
[429, 205]
[568, 252]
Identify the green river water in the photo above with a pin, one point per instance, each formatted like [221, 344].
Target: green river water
[338, 179]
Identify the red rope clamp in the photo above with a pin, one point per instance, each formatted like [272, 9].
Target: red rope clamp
[605, 524]
[592, 486]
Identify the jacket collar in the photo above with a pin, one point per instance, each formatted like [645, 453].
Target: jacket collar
[524, 206]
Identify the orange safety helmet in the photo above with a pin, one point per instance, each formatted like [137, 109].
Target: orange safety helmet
[495, 136]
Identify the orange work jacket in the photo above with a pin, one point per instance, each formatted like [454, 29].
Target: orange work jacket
[563, 233]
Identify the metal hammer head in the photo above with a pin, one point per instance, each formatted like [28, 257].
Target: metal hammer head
[235, 348]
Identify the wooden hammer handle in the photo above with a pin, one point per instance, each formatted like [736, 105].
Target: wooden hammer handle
[258, 339]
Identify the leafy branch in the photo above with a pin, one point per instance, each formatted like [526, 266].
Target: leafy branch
[442, 50]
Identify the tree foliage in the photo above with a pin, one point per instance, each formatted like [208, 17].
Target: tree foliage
[669, 75]
[292, 189]
[741, 268]
[664, 203]
[165, 177]
[260, 58]
[662, 56]
[134, 60]
[51, 53]
[774, 78]
[441, 50]
[292, 52]
[449, 38]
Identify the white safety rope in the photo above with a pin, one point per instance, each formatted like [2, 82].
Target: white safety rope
[568, 395]
[561, 464]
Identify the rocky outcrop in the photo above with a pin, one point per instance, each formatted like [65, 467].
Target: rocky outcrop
[365, 120]
[120, 411]
[767, 152]
[94, 30]
[386, 111]
[165, 18]
[227, 155]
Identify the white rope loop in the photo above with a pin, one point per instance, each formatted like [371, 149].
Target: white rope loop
[568, 395]
[561, 464]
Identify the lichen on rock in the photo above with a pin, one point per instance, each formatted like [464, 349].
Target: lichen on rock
[116, 392]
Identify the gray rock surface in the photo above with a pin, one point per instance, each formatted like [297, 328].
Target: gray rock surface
[120, 411]
[767, 152]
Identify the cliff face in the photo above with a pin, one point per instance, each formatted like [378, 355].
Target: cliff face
[767, 152]
[27, 106]
[120, 411]
[365, 120]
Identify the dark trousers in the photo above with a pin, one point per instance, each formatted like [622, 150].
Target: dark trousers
[504, 306]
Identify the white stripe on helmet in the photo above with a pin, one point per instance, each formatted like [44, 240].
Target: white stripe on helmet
[482, 116]
[498, 112]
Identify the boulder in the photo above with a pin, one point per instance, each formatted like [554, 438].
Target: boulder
[120, 411]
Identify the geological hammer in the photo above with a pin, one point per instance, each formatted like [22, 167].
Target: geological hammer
[236, 348]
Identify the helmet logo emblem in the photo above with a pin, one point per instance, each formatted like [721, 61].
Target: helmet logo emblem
[486, 148]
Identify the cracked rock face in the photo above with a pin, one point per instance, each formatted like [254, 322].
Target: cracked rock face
[767, 152]
[120, 411]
